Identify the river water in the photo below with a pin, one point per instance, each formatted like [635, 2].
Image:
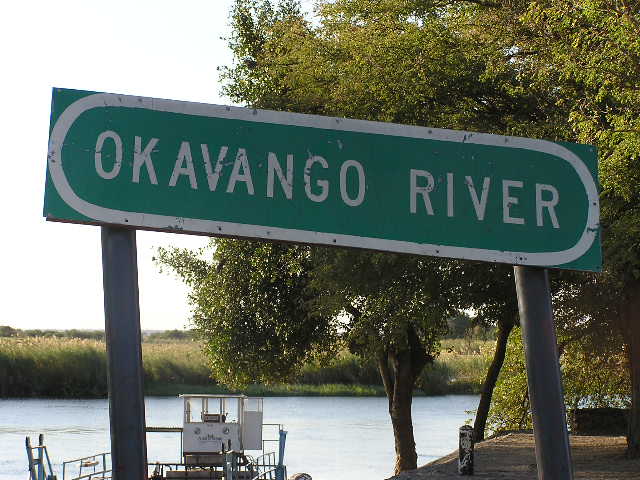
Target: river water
[331, 438]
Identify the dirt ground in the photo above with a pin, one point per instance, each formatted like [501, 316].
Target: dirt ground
[512, 456]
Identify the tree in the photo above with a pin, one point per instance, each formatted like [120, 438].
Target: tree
[589, 52]
[406, 61]
[409, 61]
[459, 325]
[7, 331]
[396, 310]
[252, 309]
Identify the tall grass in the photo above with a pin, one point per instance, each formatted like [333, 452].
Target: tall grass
[460, 367]
[346, 369]
[37, 366]
[69, 367]
[174, 362]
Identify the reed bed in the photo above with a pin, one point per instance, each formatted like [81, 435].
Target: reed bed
[72, 367]
[175, 362]
[52, 367]
[460, 367]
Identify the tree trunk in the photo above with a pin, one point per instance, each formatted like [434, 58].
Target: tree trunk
[632, 335]
[504, 329]
[399, 371]
[406, 456]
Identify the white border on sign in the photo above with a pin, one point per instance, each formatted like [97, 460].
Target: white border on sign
[190, 225]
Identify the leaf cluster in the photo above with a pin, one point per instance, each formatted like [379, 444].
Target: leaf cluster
[590, 52]
[406, 61]
[252, 310]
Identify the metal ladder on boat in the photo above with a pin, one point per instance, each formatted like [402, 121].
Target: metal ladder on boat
[39, 462]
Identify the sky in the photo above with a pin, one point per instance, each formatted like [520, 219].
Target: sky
[52, 272]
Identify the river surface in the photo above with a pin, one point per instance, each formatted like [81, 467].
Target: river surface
[331, 438]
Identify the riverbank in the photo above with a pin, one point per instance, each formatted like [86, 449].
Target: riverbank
[57, 367]
[512, 456]
[285, 390]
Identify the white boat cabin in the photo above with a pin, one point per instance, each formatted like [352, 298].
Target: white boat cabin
[221, 423]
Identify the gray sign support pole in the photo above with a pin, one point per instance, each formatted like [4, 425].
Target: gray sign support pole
[553, 454]
[124, 351]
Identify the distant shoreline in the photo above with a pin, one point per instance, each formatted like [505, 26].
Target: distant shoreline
[283, 390]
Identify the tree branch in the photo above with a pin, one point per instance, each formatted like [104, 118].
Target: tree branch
[387, 379]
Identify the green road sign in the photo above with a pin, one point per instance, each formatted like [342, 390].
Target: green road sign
[215, 170]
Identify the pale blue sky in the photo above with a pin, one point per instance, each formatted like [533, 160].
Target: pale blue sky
[51, 273]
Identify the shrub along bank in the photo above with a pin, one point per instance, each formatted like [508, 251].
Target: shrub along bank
[72, 367]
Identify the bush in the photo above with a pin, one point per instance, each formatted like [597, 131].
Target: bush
[435, 379]
[591, 378]
[346, 369]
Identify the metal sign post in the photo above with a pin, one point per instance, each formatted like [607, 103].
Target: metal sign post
[124, 351]
[553, 454]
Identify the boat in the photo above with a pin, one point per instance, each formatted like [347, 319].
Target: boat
[222, 437]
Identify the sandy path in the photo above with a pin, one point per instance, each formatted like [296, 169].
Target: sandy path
[512, 456]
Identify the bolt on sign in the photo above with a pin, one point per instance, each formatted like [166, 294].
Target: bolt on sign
[224, 171]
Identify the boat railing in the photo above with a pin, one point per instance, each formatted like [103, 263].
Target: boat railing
[265, 467]
[265, 460]
[268, 466]
[271, 474]
[93, 467]
[276, 440]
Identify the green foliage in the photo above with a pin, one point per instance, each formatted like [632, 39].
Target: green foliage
[72, 333]
[589, 50]
[346, 369]
[458, 326]
[510, 403]
[387, 298]
[170, 336]
[436, 379]
[594, 378]
[264, 310]
[591, 378]
[408, 61]
[251, 309]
